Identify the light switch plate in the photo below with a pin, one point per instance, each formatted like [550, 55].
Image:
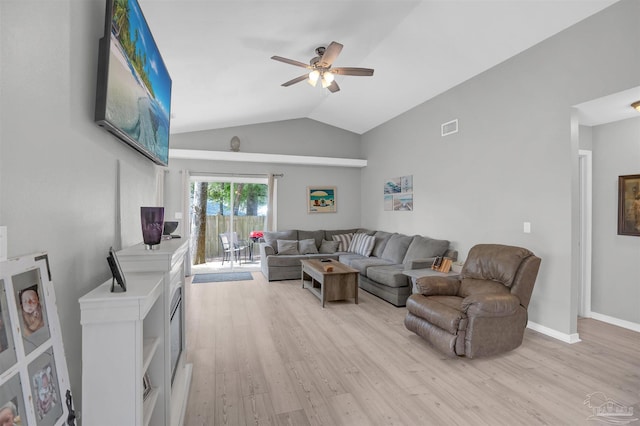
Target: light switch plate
[178, 215]
[527, 227]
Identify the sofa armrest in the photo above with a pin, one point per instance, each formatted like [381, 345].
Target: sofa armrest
[419, 263]
[266, 250]
[438, 286]
[490, 305]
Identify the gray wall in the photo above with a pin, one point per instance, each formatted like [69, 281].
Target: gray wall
[614, 289]
[293, 137]
[513, 159]
[58, 170]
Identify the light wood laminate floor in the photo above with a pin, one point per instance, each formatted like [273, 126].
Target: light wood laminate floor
[268, 354]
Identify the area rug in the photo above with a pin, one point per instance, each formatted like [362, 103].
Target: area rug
[221, 277]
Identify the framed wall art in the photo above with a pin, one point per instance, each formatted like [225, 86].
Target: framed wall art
[398, 194]
[321, 199]
[629, 205]
[33, 371]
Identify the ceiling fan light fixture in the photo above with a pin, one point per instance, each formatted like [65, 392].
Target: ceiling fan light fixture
[636, 106]
[313, 77]
[327, 79]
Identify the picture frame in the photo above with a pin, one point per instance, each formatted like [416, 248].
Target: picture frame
[629, 205]
[321, 199]
[7, 345]
[32, 311]
[398, 194]
[34, 374]
[116, 271]
[12, 404]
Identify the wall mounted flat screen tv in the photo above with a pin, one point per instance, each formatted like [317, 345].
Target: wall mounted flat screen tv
[133, 99]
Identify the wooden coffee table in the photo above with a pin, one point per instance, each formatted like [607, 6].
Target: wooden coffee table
[339, 284]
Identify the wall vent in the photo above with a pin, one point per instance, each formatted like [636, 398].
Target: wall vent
[450, 127]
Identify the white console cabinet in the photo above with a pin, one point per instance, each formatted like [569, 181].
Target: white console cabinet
[153, 331]
[122, 339]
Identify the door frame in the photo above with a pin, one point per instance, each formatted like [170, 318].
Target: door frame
[585, 178]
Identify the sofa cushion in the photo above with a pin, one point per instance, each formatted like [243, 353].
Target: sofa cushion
[396, 248]
[347, 258]
[286, 260]
[344, 240]
[362, 244]
[364, 263]
[316, 235]
[271, 237]
[381, 241]
[425, 248]
[389, 275]
[307, 246]
[328, 235]
[329, 247]
[287, 247]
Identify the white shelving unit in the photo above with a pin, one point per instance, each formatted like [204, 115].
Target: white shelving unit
[170, 260]
[129, 333]
[122, 337]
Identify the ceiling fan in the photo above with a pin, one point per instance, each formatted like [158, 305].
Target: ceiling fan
[320, 68]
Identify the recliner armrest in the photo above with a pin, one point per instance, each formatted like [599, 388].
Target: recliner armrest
[438, 286]
[490, 305]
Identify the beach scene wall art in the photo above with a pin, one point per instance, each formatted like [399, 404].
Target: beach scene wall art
[398, 194]
[321, 199]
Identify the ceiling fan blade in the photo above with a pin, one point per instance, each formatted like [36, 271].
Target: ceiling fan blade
[330, 54]
[352, 71]
[296, 80]
[290, 61]
[333, 87]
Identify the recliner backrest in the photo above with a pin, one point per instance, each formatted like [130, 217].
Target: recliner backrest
[514, 267]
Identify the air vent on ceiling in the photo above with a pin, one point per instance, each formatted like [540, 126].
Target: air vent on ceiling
[450, 127]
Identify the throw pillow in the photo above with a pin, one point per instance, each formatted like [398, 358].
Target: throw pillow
[307, 246]
[344, 240]
[288, 247]
[329, 247]
[362, 244]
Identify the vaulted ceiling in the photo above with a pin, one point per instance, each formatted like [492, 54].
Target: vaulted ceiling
[218, 53]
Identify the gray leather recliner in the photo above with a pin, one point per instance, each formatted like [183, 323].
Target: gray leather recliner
[482, 312]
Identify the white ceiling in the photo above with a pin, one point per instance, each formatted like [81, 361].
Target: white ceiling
[218, 53]
[614, 107]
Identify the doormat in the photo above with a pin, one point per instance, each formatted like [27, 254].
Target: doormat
[221, 277]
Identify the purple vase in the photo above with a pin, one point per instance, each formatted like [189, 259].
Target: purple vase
[152, 225]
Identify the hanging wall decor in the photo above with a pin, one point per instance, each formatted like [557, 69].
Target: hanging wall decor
[33, 368]
[321, 199]
[398, 194]
[629, 205]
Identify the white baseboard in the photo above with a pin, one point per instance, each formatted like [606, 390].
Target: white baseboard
[567, 338]
[615, 321]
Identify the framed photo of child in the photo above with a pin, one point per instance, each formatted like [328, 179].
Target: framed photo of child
[32, 311]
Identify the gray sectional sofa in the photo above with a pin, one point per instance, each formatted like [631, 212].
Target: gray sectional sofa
[380, 272]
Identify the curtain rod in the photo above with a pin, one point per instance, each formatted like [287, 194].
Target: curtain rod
[263, 175]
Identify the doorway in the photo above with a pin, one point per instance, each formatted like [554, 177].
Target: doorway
[227, 214]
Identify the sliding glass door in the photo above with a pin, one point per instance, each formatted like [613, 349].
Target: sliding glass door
[226, 215]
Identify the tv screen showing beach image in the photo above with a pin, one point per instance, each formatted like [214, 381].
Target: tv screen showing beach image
[138, 98]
